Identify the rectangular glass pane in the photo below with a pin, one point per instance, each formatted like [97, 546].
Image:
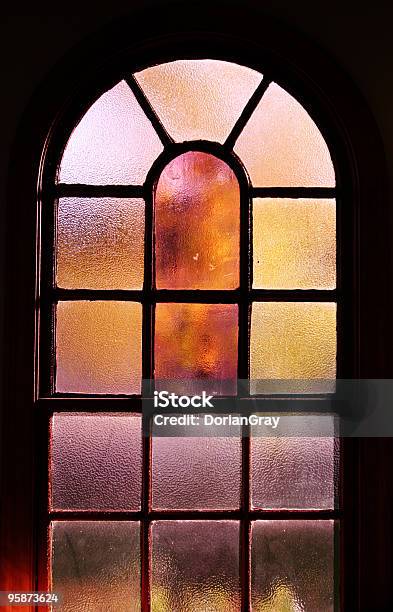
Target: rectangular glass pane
[292, 566]
[95, 565]
[96, 462]
[294, 243]
[196, 345]
[195, 566]
[197, 224]
[100, 243]
[196, 473]
[289, 472]
[98, 347]
[293, 341]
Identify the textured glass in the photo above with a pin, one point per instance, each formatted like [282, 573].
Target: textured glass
[95, 565]
[196, 473]
[282, 147]
[292, 566]
[195, 566]
[98, 347]
[114, 143]
[96, 462]
[197, 222]
[294, 244]
[293, 340]
[199, 99]
[196, 344]
[293, 473]
[100, 243]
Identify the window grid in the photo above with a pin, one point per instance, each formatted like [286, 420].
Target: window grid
[50, 402]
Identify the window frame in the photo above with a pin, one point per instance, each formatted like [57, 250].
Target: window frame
[300, 74]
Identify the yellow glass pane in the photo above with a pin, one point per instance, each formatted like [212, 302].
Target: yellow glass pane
[196, 346]
[293, 340]
[282, 147]
[98, 347]
[294, 244]
[100, 243]
[114, 143]
[197, 224]
[199, 99]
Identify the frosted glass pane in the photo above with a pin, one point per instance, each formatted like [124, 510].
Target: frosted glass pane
[293, 340]
[292, 566]
[195, 566]
[197, 224]
[293, 473]
[282, 146]
[100, 243]
[294, 244]
[199, 99]
[196, 344]
[98, 347]
[196, 473]
[96, 462]
[96, 565]
[114, 143]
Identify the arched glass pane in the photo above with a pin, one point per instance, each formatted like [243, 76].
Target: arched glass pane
[197, 222]
[198, 99]
[114, 143]
[282, 147]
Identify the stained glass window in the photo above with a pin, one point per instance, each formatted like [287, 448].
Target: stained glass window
[194, 248]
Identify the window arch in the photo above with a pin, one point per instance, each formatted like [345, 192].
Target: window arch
[52, 152]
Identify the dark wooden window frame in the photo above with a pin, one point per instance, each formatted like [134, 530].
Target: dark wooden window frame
[361, 178]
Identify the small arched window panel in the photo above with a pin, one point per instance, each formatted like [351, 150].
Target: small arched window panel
[194, 248]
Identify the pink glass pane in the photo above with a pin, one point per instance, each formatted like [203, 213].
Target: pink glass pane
[196, 473]
[98, 347]
[282, 146]
[195, 566]
[114, 143]
[293, 473]
[95, 565]
[100, 243]
[96, 462]
[196, 345]
[199, 99]
[197, 224]
[292, 566]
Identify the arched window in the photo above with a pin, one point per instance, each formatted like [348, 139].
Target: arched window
[201, 198]
[194, 246]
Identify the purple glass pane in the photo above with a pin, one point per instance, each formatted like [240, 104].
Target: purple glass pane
[195, 566]
[96, 462]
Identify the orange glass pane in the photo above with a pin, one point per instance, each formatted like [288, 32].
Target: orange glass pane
[282, 146]
[199, 99]
[98, 347]
[196, 346]
[294, 243]
[100, 243]
[197, 217]
[114, 143]
[294, 340]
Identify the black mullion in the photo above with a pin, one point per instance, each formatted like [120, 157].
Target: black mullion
[64, 190]
[225, 296]
[246, 113]
[233, 515]
[149, 111]
[294, 192]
